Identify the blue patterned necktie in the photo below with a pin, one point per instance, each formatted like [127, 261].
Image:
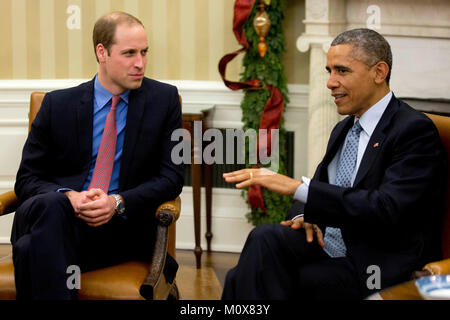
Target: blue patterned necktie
[334, 244]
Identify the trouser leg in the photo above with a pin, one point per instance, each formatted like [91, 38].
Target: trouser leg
[21, 268]
[268, 265]
[44, 238]
[47, 239]
[329, 279]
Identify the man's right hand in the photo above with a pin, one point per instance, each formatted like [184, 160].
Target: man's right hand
[77, 199]
[94, 207]
[310, 229]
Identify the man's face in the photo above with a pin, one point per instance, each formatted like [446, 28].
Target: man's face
[124, 67]
[352, 82]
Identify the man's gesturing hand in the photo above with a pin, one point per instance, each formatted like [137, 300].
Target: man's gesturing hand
[268, 179]
[310, 229]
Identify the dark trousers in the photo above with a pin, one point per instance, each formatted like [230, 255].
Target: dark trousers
[47, 238]
[277, 263]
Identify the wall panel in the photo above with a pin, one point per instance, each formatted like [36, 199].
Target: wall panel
[187, 38]
[6, 70]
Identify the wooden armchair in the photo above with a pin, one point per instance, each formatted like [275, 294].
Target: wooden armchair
[131, 280]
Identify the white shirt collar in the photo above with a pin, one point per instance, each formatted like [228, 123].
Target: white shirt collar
[372, 116]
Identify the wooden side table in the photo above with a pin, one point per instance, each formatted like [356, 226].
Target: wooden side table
[191, 114]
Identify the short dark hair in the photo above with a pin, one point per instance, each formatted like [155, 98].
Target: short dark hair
[105, 28]
[368, 46]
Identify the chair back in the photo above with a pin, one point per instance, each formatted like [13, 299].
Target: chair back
[442, 123]
[35, 104]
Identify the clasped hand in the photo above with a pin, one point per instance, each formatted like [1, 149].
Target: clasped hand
[94, 207]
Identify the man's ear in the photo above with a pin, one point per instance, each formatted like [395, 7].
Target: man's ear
[381, 72]
[101, 52]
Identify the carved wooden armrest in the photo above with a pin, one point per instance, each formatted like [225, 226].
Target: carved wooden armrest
[432, 268]
[438, 267]
[167, 213]
[7, 202]
[171, 208]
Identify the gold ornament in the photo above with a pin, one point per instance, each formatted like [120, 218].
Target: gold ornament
[261, 23]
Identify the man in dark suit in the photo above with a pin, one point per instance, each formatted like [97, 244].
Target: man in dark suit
[96, 165]
[374, 202]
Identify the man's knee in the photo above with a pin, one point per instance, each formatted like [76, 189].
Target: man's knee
[54, 205]
[260, 232]
[267, 235]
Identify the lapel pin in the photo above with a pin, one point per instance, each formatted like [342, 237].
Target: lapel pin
[376, 145]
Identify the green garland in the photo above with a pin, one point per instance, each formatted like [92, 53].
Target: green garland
[269, 70]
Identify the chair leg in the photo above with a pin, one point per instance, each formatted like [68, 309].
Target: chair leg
[174, 294]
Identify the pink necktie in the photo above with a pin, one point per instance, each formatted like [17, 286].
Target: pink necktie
[107, 151]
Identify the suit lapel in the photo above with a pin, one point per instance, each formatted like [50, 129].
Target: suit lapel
[136, 107]
[375, 145]
[85, 111]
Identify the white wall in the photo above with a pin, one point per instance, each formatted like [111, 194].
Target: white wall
[421, 67]
[229, 225]
[419, 34]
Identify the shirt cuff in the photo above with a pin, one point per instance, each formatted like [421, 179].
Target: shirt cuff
[297, 216]
[64, 189]
[301, 194]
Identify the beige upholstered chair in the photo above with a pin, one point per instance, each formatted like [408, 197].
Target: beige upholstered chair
[441, 267]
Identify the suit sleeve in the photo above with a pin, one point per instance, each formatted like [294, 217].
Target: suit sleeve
[412, 178]
[168, 182]
[33, 176]
[296, 209]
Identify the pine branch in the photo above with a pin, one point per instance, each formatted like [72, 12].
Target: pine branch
[269, 70]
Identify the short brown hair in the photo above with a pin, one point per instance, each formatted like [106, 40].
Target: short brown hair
[105, 28]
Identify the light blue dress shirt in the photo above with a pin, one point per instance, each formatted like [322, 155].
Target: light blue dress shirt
[368, 121]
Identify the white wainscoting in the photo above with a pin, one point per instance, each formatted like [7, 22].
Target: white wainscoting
[229, 225]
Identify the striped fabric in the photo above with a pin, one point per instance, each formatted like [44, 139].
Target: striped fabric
[106, 152]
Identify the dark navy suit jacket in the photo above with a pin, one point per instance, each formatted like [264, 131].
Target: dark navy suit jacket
[58, 151]
[391, 216]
